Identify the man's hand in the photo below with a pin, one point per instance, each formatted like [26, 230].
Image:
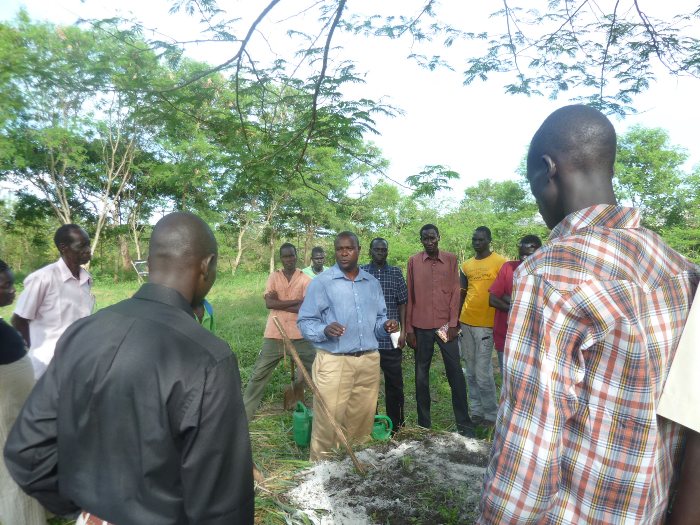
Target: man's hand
[391, 326]
[452, 332]
[411, 340]
[334, 330]
[402, 340]
[272, 294]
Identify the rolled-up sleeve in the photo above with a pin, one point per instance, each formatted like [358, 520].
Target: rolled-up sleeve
[312, 319]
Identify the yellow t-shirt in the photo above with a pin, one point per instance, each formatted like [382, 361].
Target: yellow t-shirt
[480, 274]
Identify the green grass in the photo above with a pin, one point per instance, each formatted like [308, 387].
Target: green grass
[240, 315]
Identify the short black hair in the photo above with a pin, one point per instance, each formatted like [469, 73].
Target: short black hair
[429, 227]
[584, 134]
[317, 249]
[62, 235]
[350, 235]
[288, 245]
[484, 229]
[378, 239]
[531, 239]
[3, 266]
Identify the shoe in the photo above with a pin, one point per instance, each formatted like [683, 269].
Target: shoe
[487, 423]
[469, 432]
[477, 420]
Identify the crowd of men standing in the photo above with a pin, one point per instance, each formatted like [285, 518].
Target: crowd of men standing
[590, 426]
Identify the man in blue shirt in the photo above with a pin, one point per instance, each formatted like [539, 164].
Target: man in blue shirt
[344, 314]
[395, 296]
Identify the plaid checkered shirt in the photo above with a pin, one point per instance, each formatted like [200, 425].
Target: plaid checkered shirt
[596, 318]
[395, 293]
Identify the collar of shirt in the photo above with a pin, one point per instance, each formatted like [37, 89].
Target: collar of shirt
[165, 295]
[66, 274]
[337, 273]
[296, 275]
[426, 257]
[375, 267]
[600, 215]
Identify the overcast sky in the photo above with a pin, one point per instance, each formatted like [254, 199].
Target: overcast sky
[477, 130]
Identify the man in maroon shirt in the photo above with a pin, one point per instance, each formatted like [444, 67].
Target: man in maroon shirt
[433, 310]
[501, 290]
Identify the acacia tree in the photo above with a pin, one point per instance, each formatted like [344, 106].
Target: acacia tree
[648, 175]
[609, 51]
[77, 129]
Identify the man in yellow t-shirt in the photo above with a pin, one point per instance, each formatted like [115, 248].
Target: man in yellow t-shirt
[476, 318]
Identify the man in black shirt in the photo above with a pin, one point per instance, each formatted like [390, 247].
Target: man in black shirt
[152, 428]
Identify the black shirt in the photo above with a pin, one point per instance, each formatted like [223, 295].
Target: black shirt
[138, 420]
[11, 344]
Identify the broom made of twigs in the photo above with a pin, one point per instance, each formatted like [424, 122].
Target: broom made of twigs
[321, 403]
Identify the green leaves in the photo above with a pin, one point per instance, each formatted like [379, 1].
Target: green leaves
[430, 180]
[649, 176]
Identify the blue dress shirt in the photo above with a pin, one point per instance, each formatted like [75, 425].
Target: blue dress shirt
[357, 305]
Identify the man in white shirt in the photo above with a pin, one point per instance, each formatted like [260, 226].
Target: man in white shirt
[679, 403]
[55, 296]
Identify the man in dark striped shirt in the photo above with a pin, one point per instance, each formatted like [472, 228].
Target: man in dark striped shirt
[395, 295]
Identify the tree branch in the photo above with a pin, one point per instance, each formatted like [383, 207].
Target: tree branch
[607, 48]
[510, 38]
[317, 90]
[235, 58]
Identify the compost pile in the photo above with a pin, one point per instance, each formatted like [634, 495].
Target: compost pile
[434, 480]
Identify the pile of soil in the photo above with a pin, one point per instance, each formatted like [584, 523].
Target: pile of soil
[436, 480]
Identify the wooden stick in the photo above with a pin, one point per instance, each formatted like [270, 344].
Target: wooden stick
[321, 403]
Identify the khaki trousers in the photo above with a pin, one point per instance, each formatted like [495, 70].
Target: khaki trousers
[16, 508]
[349, 386]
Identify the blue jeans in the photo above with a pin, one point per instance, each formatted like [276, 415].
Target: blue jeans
[476, 347]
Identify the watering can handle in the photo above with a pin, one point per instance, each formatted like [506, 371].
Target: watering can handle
[384, 419]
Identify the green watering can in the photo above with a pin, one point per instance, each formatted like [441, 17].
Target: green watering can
[381, 431]
[302, 420]
[301, 424]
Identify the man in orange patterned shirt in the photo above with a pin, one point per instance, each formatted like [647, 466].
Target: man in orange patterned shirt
[596, 317]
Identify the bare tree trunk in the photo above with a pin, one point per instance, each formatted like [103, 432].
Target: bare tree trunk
[308, 241]
[239, 248]
[124, 252]
[272, 250]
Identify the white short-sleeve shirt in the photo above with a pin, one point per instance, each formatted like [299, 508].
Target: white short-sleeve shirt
[51, 301]
[681, 396]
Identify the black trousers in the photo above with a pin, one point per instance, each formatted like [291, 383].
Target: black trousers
[390, 362]
[425, 342]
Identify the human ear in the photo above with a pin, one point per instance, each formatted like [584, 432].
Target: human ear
[208, 265]
[550, 166]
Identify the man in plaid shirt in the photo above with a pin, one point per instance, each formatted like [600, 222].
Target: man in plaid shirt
[395, 295]
[596, 317]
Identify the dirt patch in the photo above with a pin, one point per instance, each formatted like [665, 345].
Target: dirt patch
[436, 480]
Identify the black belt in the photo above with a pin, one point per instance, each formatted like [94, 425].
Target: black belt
[357, 354]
